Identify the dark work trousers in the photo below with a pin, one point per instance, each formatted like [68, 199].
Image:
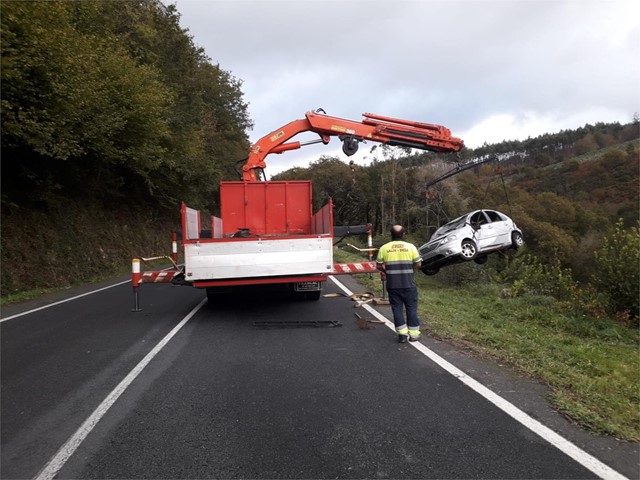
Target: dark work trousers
[401, 299]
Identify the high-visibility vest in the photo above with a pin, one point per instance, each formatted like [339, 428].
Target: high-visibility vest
[398, 257]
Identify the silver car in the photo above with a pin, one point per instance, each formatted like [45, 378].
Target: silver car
[470, 237]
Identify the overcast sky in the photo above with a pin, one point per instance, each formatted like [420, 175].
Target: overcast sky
[489, 70]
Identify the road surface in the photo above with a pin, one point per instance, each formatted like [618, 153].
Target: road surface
[191, 389]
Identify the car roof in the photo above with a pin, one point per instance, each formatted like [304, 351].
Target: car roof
[473, 212]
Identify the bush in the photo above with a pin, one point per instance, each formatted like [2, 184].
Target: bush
[548, 278]
[618, 274]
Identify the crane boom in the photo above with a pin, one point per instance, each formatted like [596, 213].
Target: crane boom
[377, 128]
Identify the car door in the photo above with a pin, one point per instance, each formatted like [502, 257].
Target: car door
[488, 234]
[498, 227]
[482, 235]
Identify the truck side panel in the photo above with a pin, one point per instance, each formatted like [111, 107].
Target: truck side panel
[266, 208]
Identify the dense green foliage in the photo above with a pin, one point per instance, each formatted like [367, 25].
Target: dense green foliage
[112, 100]
[617, 273]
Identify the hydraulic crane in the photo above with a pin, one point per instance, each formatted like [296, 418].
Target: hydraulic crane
[387, 130]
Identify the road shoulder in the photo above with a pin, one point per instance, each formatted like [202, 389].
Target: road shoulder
[528, 395]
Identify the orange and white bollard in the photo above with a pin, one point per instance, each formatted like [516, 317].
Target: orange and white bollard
[135, 282]
[174, 247]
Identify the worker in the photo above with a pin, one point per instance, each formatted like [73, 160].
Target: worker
[396, 261]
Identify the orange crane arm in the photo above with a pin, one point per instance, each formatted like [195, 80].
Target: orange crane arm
[387, 130]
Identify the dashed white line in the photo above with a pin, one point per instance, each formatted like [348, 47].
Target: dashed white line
[54, 465]
[583, 458]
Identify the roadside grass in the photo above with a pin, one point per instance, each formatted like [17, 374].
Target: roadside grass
[124, 269]
[592, 366]
[24, 296]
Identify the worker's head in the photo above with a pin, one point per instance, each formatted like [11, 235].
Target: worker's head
[397, 232]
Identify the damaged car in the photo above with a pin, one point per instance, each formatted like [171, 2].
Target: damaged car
[470, 237]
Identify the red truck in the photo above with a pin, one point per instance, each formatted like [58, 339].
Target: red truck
[267, 232]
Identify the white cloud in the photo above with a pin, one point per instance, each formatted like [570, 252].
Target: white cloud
[489, 70]
[507, 126]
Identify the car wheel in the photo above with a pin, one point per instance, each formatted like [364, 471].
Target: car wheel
[481, 260]
[516, 240]
[469, 250]
[430, 271]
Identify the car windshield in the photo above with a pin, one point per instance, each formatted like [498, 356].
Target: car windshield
[452, 225]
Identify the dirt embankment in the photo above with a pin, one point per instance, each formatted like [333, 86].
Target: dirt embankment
[77, 242]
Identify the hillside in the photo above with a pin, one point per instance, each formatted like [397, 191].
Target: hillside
[80, 239]
[604, 180]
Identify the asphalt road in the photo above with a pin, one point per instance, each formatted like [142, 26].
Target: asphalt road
[225, 398]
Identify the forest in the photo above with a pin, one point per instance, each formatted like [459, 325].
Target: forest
[112, 114]
[113, 100]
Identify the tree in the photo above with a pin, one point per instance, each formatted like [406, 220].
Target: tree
[585, 144]
[556, 210]
[110, 99]
[617, 270]
[72, 98]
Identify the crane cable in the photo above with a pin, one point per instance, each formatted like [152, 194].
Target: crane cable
[498, 170]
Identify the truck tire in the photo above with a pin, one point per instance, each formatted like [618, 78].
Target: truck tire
[213, 295]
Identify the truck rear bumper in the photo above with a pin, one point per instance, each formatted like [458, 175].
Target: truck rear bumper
[230, 282]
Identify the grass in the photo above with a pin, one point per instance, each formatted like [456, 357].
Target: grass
[592, 366]
[24, 296]
[124, 269]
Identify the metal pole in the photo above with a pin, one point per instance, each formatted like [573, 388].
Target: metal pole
[384, 288]
[135, 282]
[136, 300]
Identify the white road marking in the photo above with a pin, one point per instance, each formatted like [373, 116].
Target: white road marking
[62, 301]
[69, 299]
[54, 465]
[583, 458]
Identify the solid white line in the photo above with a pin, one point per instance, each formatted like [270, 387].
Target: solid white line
[62, 301]
[583, 458]
[54, 465]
